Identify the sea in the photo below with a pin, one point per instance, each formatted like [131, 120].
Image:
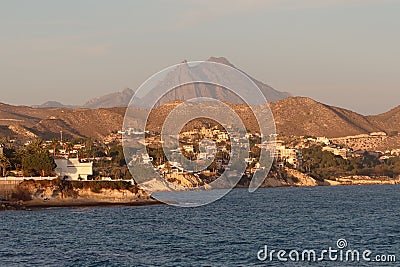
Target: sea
[240, 229]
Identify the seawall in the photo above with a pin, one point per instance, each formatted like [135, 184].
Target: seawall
[7, 187]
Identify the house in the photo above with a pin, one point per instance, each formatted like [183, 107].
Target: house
[188, 148]
[202, 155]
[378, 134]
[292, 156]
[223, 136]
[146, 159]
[395, 152]
[73, 169]
[323, 140]
[79, 146]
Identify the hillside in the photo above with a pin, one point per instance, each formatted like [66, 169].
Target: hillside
[304, 116]
[293, 116]
[27, 122]
[390, 121]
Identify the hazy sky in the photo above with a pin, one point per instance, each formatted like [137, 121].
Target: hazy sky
[341, 52]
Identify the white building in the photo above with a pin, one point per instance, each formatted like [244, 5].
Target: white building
[188, 148]
[378, 134]
[289, 155]
[73, 168]
[323, 140]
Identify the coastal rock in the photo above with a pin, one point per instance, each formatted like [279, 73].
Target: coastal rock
[63, 193]
[301, 179]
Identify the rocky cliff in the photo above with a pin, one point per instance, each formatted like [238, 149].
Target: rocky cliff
[80, 193]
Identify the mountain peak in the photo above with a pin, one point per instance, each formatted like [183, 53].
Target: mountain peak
[221, 60]
[127, 91]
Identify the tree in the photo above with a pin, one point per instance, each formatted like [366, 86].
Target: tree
[168, 166]
[213, 166]
[116, 172]
[159, 156]
[69, 148]
[89, 148]
[36, 160]
[3, 141]
[4, 164]
[117, 154]
[54, 143]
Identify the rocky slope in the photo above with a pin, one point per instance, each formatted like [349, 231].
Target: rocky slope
[305, 116]
[390, 121]
[26, 122]
[293, 116]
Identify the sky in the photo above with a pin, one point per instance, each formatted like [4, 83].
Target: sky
[340, 52]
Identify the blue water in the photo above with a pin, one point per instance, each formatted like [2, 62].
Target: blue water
[228, 232]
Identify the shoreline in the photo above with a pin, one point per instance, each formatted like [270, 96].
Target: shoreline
[41, 204]
[70, 203]
[38, 203]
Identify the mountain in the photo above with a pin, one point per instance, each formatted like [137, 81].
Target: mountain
[185, 73]
[53, 104]
[193, 90]
[293, 116]
[270, 93]
[119, 99]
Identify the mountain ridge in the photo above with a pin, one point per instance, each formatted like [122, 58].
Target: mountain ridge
[298, 116]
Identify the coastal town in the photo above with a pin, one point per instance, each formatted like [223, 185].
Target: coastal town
[320, 158]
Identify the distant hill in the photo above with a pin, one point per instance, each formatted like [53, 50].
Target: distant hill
[389, 120]
[53, 104]
[119, 99]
